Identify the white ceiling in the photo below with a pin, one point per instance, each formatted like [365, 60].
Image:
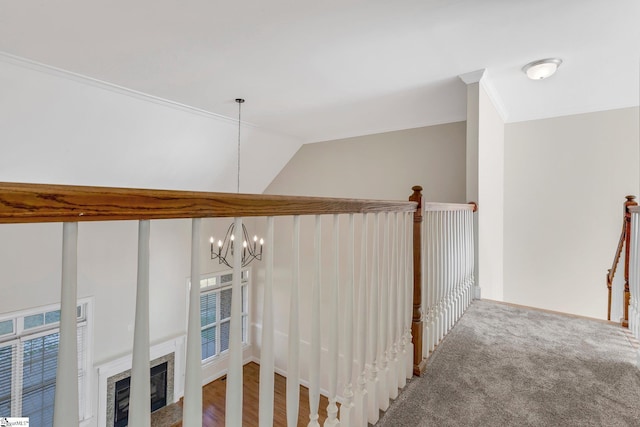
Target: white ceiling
[326, 69]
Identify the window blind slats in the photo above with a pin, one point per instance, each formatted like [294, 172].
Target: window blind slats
[7, 356]
[28, 367]
[215, 312]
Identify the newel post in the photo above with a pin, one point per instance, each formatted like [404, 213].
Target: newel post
[419, 362]
[627, 244]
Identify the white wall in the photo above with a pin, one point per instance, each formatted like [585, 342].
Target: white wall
[61, 128]
[565, 182]
[490, 197]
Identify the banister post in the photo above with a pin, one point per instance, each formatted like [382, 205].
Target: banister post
[419, 362]
[627, 224]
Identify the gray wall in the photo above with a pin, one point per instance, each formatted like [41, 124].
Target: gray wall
[380, 166]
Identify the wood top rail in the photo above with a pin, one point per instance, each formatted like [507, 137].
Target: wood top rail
[29, 203]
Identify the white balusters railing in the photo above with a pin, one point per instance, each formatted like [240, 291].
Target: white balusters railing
[373, 412]
[358, 330]
[233, 403]
[332, 408]
[314, 362]
[192, 404]
[361, 400]
[267, 362]
[293, 365]
[139, 414]
[66, 394]
[449, 279]
[346, 414]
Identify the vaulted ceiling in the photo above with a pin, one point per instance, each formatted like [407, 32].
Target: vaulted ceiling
[321, 70]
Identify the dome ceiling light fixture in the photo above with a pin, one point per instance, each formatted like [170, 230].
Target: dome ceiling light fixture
[542, 68]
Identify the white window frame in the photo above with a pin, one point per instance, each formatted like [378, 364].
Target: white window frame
[246, 309]
[20, 335]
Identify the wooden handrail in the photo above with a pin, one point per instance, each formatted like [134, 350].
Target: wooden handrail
[623, 243]
[29, 203]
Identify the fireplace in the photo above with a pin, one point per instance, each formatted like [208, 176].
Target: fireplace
[158, 394]
[118, 386]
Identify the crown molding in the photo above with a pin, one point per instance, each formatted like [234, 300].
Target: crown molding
[473, 76]
[494, 96]
[111, 87]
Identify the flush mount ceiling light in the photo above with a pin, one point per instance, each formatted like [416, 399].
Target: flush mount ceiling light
[541, 69]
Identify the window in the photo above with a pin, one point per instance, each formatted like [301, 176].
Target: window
[28, 363]
[215, 312]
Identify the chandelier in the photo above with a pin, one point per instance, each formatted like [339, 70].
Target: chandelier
[223, 250]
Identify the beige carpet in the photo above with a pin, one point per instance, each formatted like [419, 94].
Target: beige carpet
[509, 366]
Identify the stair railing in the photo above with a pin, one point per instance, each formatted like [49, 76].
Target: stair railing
[376, 327]
[624, 243]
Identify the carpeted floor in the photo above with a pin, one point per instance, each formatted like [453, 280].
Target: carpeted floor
[509, 366]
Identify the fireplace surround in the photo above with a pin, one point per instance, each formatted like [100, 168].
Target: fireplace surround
[162, 373]
[111, 372]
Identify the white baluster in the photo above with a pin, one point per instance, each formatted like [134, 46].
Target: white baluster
[140, 391]
[332, 408]
[408, 283]
[633, 276]
[192, 402]
[440, 279]
[346, 409]
[267, 362]
[293, 367]
[635, 259]
[467, 261]
[383, 286]
[402, 344]
[456, 275]
[458, 261]
[314, 359]
[361, 402]
[425, 283]
[66, 409]
[393, 308]
[233, 405]
[448, 272]
[432, 282]
[372, 352]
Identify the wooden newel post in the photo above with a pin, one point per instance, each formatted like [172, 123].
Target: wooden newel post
[419, 362]
[627, 244]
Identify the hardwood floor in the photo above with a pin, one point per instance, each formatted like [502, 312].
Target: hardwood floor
[213, 401]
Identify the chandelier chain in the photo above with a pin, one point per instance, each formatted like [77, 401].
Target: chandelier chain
[239, 101]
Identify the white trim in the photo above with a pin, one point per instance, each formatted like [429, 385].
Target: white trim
[111, 87]
[121, 364]
[20, 335]
[473, 76]
[246, 358]
[494, 96]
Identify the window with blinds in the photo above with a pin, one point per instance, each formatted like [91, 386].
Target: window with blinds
[215, 312]
[28, 363]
